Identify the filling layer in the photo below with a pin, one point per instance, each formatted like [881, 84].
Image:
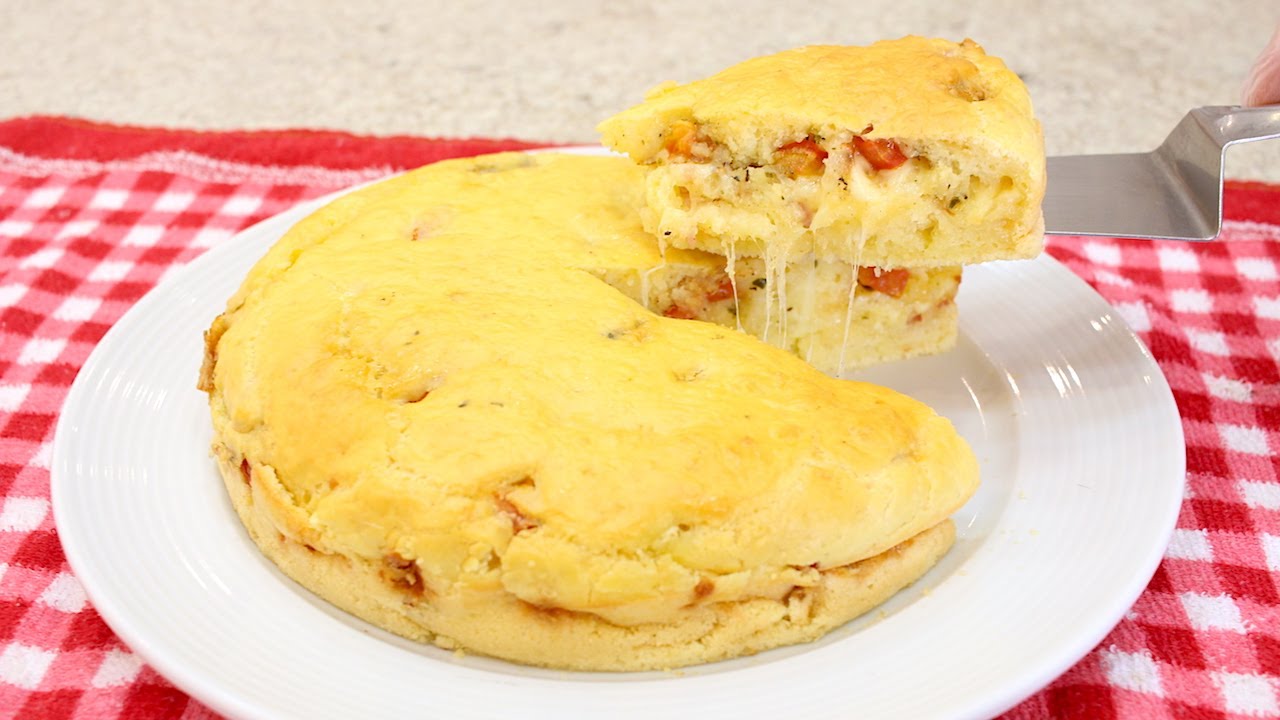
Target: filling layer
[834, 315]
[837, 193]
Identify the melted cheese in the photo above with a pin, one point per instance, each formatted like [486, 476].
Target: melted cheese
[853, 292]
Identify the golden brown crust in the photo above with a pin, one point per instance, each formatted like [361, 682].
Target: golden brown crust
[914, 89]
[211, 338]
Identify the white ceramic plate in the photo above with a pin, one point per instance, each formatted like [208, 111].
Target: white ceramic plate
[1075, 426]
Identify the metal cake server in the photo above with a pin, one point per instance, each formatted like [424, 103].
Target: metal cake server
[1173, 192]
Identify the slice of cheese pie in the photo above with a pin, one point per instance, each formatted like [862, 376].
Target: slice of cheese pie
[906, 153]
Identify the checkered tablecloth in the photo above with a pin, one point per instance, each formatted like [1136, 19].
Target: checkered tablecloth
[91, 217]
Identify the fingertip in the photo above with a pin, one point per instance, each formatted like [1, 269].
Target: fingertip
[1262, 85]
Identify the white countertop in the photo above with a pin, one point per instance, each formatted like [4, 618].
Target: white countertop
[1106, 76]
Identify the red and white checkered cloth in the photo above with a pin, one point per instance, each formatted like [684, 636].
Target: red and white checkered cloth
[91, 217]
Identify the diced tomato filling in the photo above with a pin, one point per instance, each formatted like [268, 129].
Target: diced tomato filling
[882, 153]
[889, 282]
[682, 139]
[679, 313]
[722, 291]
[803, 158]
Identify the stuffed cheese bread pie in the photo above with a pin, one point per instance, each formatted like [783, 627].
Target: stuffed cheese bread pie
[906, 153]
[441, 404]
